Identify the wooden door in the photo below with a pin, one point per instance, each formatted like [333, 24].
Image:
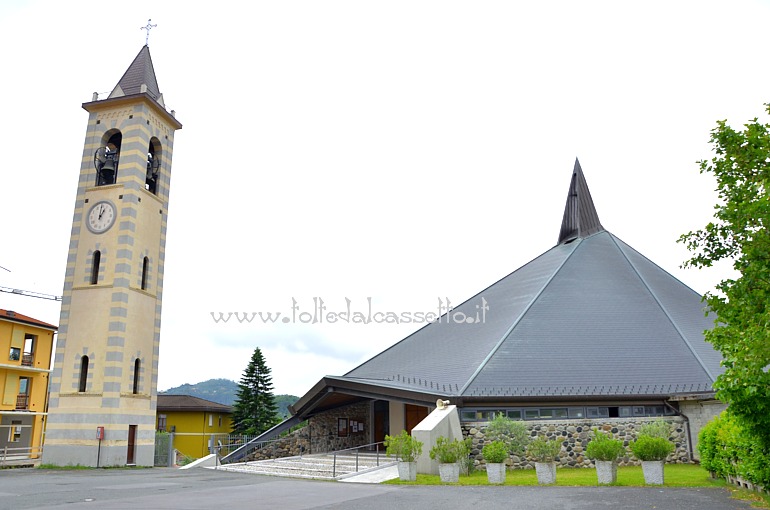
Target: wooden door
[414, 415]
[131, 456]
[381, 420]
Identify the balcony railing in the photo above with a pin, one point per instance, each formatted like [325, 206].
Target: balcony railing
[27, 359]
[22, 402]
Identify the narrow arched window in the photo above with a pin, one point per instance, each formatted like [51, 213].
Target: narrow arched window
[137, 367]
[97, 258]
[83, 374]
[145, 268]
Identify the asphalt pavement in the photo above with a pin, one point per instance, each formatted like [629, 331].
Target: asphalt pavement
[206, 489]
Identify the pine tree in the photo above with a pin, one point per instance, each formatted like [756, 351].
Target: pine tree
[255, 410]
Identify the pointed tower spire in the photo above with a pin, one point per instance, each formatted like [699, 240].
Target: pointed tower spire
[139, 78]
[580, 218]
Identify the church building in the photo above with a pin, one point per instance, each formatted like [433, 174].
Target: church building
[103, 389]
[590, 330]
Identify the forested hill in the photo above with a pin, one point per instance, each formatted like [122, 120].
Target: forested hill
[224, 391]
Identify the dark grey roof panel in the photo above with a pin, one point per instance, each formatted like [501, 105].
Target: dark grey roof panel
[596, 326]
[446, 354]
[140, 72]
[580, 216]
[683, 305]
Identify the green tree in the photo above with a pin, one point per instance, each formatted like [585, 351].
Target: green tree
[255, 410]
[739, 232]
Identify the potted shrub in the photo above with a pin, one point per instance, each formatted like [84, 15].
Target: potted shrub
[449, 454]
[605, 450]
[651, 447]
[495, 454]
[544, 452]
[652, 451]
[406, 449]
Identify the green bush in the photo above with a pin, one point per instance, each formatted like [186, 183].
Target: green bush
[513, 433]
[604, 447]
[718, 445]
[403, 446]
[467, 465]
[651, 448]
[544, 450]
[495, 452]
[449, 452]
[657, 428]
[728, 449]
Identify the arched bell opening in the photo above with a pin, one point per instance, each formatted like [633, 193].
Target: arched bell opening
[153, 166]
[106, 158]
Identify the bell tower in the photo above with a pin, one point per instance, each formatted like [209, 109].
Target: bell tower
[103, 389]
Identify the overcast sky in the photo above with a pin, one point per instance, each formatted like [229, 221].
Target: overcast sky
[403, 151]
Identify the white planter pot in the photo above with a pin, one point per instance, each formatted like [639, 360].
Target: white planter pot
[607, 471]
[407, 471]
[496, 473]
[449, 473]
[546, 472]
[653, 471]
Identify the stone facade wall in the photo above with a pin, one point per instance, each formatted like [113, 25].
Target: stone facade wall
[323, 428]
[293, 444]
[321, 434]
[699, 414]
[575, 434]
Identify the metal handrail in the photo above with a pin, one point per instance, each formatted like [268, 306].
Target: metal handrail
[10, 454]
[357, 450]
[240, 452]
[22, 402]
[258, 446]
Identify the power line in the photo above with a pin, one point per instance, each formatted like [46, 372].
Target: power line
[29, 293]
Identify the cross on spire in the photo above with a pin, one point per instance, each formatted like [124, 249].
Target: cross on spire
[148, 28]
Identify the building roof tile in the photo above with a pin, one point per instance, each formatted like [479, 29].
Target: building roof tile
[189, 403]
[17, 317]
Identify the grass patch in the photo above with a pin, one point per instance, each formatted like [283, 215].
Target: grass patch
[183, 460]
[71, 467]
[676, 475]
[68, 467]
[757, 500]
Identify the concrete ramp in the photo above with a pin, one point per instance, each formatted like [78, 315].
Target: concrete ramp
[207, 461]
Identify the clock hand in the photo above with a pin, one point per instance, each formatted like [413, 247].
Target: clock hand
[101, 211]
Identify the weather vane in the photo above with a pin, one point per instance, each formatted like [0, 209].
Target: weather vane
[148, 28]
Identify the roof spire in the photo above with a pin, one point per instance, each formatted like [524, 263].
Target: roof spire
[139, 78]
[580, 218]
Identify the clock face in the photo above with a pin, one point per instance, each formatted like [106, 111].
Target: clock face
[101, 217]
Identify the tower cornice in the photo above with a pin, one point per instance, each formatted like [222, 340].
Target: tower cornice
[96, 106]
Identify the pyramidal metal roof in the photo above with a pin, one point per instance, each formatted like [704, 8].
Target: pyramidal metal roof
[591, 317]
[139, 78]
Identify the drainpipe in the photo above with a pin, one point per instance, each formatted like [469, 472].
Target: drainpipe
[687, 427]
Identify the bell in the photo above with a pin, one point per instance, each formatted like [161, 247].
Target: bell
[107, 171]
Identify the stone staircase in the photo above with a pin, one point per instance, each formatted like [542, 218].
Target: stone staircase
[324, 466]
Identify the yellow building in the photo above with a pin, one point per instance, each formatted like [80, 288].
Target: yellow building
[25, 362]
[194, 422]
